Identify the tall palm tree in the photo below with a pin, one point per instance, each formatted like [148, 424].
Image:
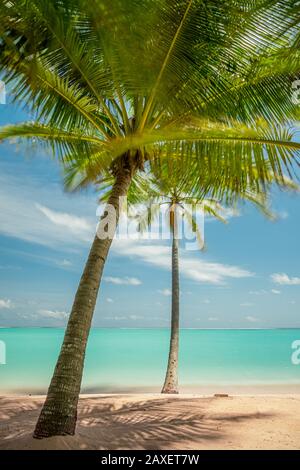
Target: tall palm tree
[110, 83]
[178, 206]
[172, 185]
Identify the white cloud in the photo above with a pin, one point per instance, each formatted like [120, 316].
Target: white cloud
[165, 292]
[9, 266]
[258, 292]
[5, 303]
[213, 319]
[275, 291]
[251, 319]
[128, 281]
[246, 304]
[77, 225]
[116, 318]
[284, 279]
[226, 212]
[109, 300]
[135, 317]
[191, 266]
[64, 263]
[52, 314]
[48, 260]
[206, 301]
[283, 215]
[25, 213]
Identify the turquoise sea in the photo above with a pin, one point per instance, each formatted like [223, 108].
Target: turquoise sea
[125, 360]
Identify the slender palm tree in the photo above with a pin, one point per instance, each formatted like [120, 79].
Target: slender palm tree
[178, 206]
[173, 185]
[111, 83]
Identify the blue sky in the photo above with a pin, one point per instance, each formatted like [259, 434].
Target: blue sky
[248, 277]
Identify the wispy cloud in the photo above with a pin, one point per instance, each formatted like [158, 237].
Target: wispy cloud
[64, 263]
[109, 300]
[283, 215]
[226, 212]
[258, 292]
[213, 318]
[285, 280]
[246, 304]
[9, 266]
[127, 281]
[5, 303]
[53, 314]
[26, 215]
[74, 224]
[165, 292]
[275, 291]
[191, 266]
[251, 319]
[53, 261]
[116, 318]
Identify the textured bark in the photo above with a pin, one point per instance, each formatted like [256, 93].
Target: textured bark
[171, 379]
[59, 413]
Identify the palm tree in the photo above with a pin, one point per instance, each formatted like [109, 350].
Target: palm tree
[112, 83]
[178, 205]
[172, 185]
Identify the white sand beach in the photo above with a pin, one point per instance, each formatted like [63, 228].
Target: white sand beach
[153, 421]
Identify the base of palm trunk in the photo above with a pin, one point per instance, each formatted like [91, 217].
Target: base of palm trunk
[169, 390]
[54, 424]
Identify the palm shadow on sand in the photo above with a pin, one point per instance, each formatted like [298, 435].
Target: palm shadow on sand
[162, 423]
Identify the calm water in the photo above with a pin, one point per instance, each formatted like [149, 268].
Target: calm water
[128, 359]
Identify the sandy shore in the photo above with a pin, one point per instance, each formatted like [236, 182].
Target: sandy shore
[150, 421]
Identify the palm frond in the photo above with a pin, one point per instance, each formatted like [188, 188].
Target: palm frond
[187, 80]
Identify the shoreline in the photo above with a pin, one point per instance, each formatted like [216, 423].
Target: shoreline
[160, 422]
[203, 390]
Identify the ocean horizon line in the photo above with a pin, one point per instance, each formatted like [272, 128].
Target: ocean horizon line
[150, 328]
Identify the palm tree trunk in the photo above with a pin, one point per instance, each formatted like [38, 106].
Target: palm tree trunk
[171, 380]
[59, 413]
